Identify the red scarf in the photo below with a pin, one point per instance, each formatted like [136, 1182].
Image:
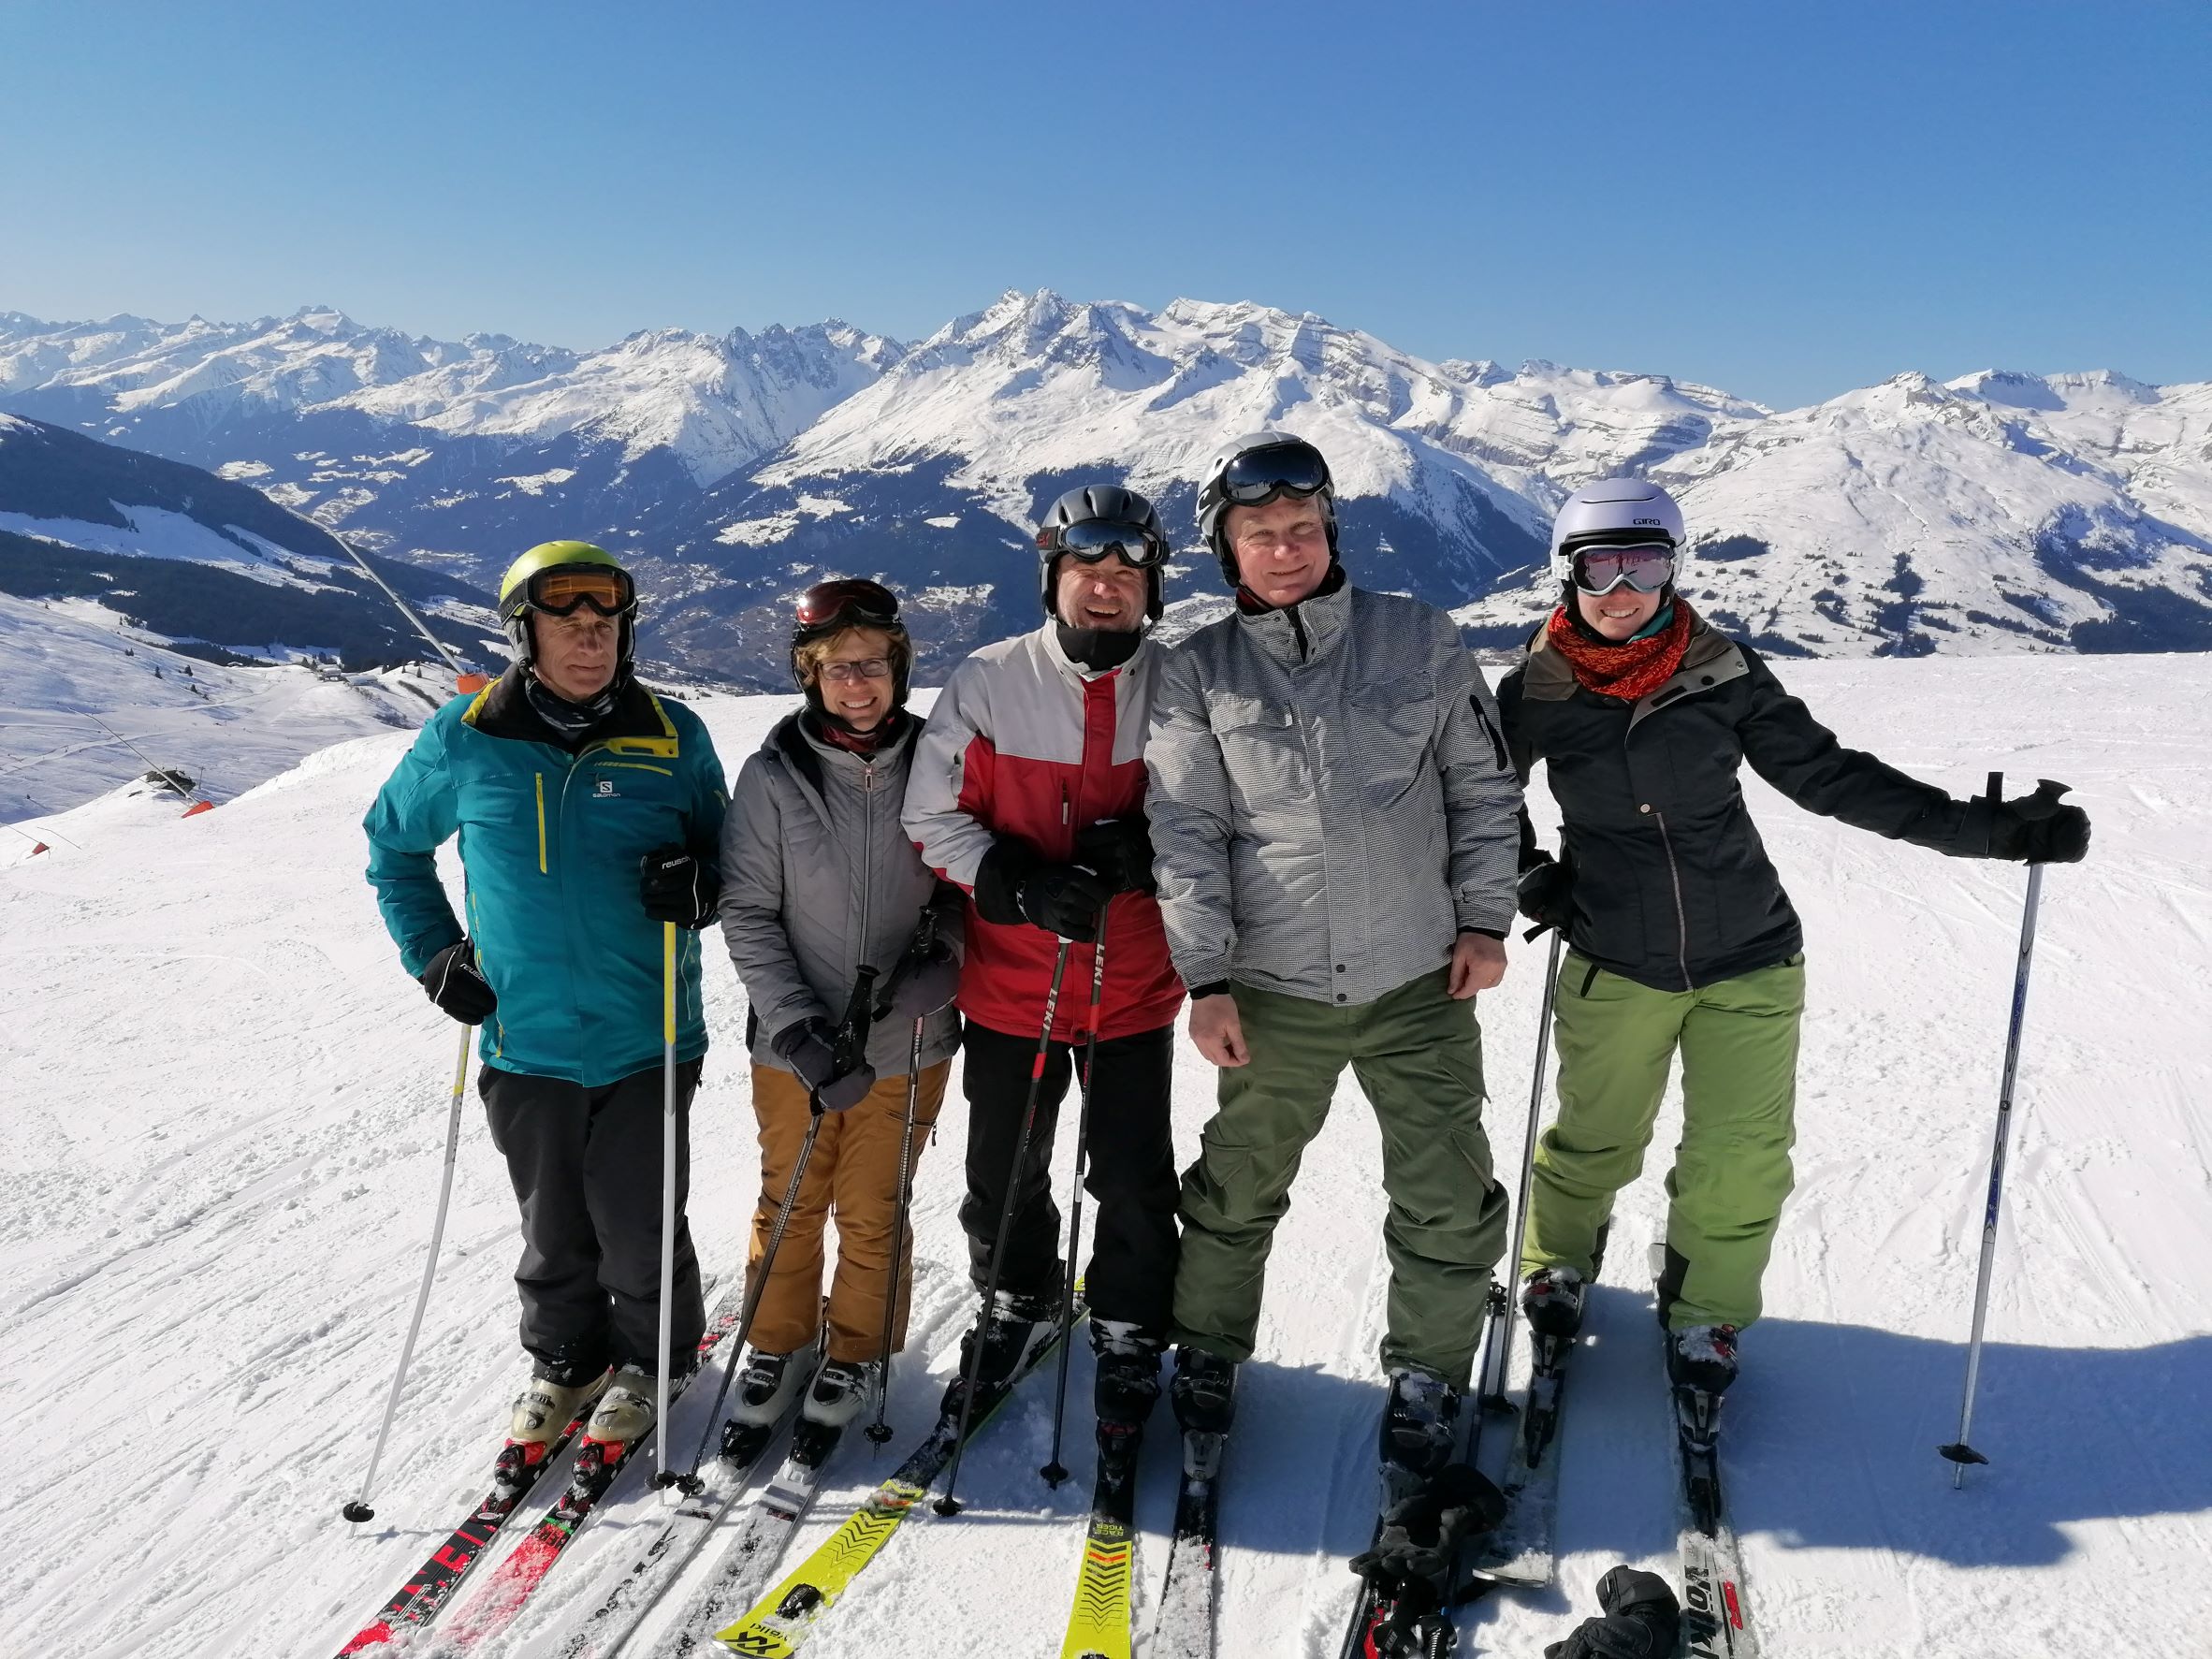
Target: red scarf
[1630, 671]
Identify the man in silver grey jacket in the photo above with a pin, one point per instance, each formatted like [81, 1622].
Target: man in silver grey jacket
[1334, 825]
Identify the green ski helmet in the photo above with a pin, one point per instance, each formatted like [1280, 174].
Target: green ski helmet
[559, 578]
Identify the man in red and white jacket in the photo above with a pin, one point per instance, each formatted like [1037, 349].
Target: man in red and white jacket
[1027, 789]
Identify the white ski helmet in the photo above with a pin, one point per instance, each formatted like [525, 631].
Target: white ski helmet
[1617, 513]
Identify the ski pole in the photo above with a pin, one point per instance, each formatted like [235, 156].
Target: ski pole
[358, 1509]
[879, 1432]
[689, 1483]
[1055, 1471]
[668, 1155]
[948, 1505]
[1496, 1370]
[1960, 1453]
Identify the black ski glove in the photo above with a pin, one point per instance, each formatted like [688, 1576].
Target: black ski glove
[677, 887]
[1065, 899]
[1642, 1620]
[1120, 851]
[456, 986]
[1544, 894]
[809, 1048]
[2039, 828]
[924, 986]
[998, 881]
[1422, 1533]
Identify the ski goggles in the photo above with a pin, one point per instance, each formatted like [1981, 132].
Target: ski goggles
[1258, 476]
[1092, 540]
[565, 589]
[1646, 568]
[846, 600]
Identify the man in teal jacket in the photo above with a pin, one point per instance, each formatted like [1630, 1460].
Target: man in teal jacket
[589, 812]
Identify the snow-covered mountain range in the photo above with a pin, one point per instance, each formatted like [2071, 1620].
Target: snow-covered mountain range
[1996, 512]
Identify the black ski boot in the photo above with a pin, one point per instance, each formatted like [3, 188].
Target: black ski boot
[1420, 1431]
[1702, 1358]
[1203, 1392]
[1127, 1381]
[1552, 1301]
[1007, 1331]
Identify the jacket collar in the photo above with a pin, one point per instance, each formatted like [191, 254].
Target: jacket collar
[1048, 641]
[1710, 659]
[638, 722]
[1304, 632]
[790, 742]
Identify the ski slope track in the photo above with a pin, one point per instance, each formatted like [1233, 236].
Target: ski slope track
[225, 1114]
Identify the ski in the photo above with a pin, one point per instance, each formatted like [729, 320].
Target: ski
[431, 1585]
[756, 1545]
[1183, 1626]
[1716, 1612]
[1522, 1552]
[682, 1533]
[502, 1597]
[784, 1619]
[1099, 1620]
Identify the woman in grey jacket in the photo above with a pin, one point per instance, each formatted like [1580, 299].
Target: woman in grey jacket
[820, 884]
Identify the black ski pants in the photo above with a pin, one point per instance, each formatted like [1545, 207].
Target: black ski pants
[586, 1165]
[1131, 1174]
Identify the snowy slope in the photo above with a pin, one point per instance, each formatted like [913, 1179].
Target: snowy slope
[76, 683]
[225, 1108]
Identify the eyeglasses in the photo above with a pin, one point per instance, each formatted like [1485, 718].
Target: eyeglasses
[1646, 568]
[848, 598]
[1092, 540]
[1258, 476]
[563, 590]
[846, 674]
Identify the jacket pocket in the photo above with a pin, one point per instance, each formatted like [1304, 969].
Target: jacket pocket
[1261, 750]
[1391, 728]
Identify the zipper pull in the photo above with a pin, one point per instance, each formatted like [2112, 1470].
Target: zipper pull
[1067, 809]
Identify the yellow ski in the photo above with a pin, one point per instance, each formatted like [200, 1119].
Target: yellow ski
[785, 1617]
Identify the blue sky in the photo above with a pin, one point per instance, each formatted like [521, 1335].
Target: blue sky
[1783, 199]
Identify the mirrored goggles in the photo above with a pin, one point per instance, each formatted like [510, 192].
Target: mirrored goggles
[563, 590]
[1646, 568]
[1093, 539]
[1258, 476]
[848, 600]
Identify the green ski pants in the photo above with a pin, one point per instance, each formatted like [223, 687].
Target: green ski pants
[1417, 1054]
[1615, 1040]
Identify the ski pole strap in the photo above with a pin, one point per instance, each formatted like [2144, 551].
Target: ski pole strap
[917, 950]
[851, 1042]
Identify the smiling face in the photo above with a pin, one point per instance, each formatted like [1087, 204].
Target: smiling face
[1619, 614]
[576, 655]
[1282, 549]
[1109, 596]
[853, 675]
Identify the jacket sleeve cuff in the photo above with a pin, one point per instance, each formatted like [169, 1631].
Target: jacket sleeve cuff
[1484, 915]
[1210, 988]
[1497, 933]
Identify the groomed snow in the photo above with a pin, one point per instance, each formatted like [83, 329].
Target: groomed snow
[225, 1105]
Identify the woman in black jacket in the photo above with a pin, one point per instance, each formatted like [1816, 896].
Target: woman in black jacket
[1680, 936]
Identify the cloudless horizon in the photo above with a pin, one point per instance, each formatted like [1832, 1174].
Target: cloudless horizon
[1785, 202]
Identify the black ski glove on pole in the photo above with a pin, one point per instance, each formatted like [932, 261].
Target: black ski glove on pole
[998, 881]
[1545, 893]
[676, 886]
[456, 986]
[1642, 1620]
[1120, 851]
[1065, 899]
[2039, 828]
[925, 985]
[809, 1048]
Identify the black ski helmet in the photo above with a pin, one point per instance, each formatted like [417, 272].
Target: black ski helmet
[839, 602]
[1253, 471]
[1106, 503]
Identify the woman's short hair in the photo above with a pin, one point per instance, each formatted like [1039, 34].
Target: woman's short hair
[898, 650]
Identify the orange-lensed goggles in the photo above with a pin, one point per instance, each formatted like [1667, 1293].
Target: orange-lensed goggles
[561, 592]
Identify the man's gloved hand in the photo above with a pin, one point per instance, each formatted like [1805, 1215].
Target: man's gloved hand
[455, 984]
[924, 986]
[677, 887]
[1544, 894]
[1120, 851]
[1642, 1620]
[1422, 1533]
[1065, 899]
[809, 1048]
[998, 881]
[2039, 828]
